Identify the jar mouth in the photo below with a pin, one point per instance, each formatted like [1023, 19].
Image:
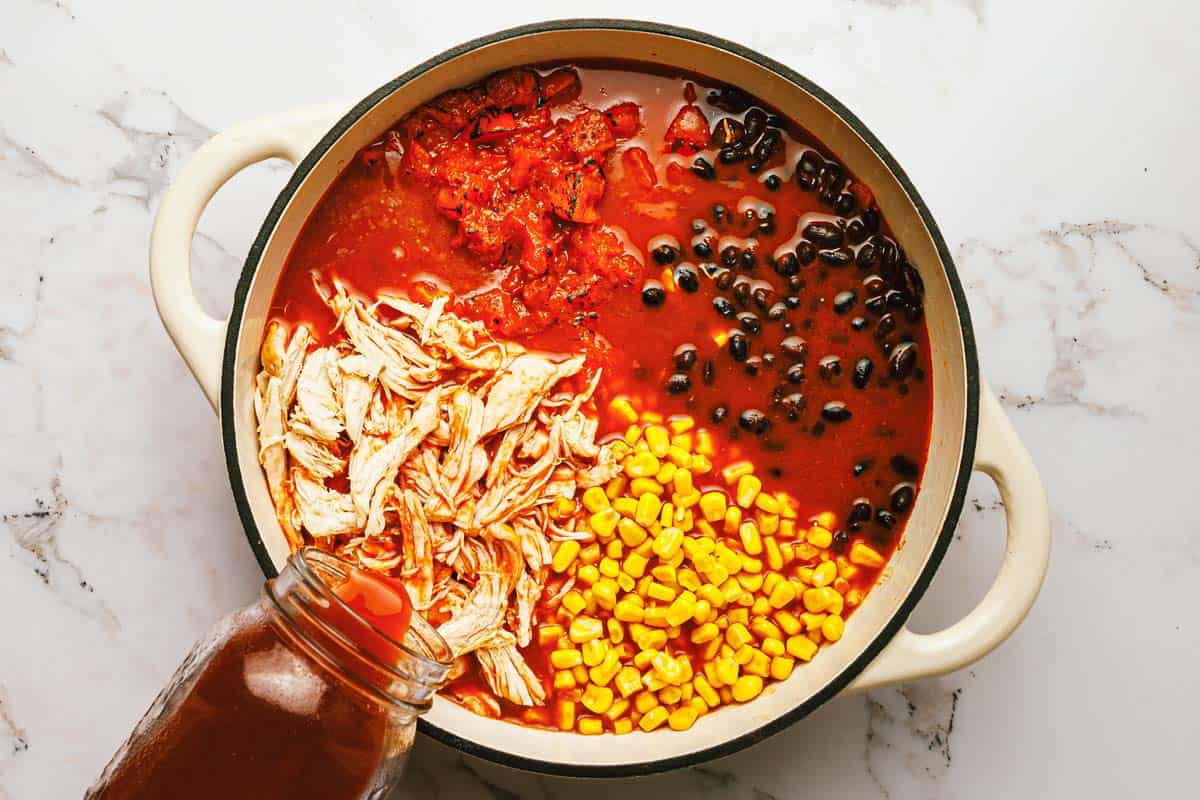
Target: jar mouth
[306, 585]
[422, 642]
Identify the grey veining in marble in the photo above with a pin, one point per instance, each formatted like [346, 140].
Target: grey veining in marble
[1057, 146]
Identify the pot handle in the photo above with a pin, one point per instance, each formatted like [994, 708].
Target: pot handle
[1000, 455]
[199, 337]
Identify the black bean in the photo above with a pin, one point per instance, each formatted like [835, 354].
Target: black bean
[720, 213]
[685, 357]
[739, 346]
[867, 256]
[818, 428]
[748, 259]
[792, 301]
[893, 298]
[860, 513]
[741, 289]
[886, 324]
[823, 234]
[840, 540]
[730, 255]
[830, 366]
[792, 404]
[766, 147]
[707, 373]
[763, 296]
[733, 153]
[911, 284]
[729, 98]
[766, 226]
[753, 365]
[856, 232]
[727, 131]
[806, 181]
[678, 383]
[724, 278]
[837, 258]
[795, 373]
[835, 411]
[905, 467]
[710, 269]
[665, 250]
[863, 466]
[806, 253]
[703, 168]
[885, 519]
[702, 247]
[844, 301]
[755, 122]
[653, 293]
[768, 359]
[858, 323]
[754, 421]
[773, 182]
[749, 322]
[723, 307]
[902, 360]
[777, 312]
[831, 175]
[844, 205]
[796, 283]
[719, 414]
[794, 348]
[871, 220]
[874, 304]
[862, 372]
[810, 163]
[888, 253]
[786, 265]
[902, 497]
[687, 278]
[874, 284]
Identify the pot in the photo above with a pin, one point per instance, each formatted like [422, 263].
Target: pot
[970, 430]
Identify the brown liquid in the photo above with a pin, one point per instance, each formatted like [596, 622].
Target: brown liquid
[225, 741]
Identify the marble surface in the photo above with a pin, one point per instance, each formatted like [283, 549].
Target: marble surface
[1056, 145]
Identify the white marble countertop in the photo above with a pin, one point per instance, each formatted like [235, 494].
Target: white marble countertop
[1057, 146]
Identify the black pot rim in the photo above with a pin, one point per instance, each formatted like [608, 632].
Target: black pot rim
[944, 537]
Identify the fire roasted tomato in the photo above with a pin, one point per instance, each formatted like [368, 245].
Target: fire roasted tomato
[689, 131]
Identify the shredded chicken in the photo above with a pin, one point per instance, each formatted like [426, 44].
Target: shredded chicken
[421, 447]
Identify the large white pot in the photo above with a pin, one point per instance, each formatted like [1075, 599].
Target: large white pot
[970, 431]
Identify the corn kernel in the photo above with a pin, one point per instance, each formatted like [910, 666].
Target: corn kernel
[624, 725]
[585, 629]
[751, 539]
[642, 465]
[773, 647]
[733, 519]
[573, 602]
[682, 718]
[626, 582]
[679, 456]
[759, 664]
[616, 487]
[604, 522]
[682, 608]
[700, 464]
[787, 622]
[747, 688]
[763, 628]
[566, 659]
[782, 595]
[732, 472]
[767, 523]
[854, 597]
[738, 635]
[801, 647]
[597, 699]
[712, 506]
[590, 726]
[670, 695]
[727, 670]
[781, 667]
[641, 486]
[653, 718]
[705, 691]
[645, 700]
[635, 565]
[564, 679]
[623, 409]
[625, 506]
[705, 633]
[824, 573]
[833, 627]
[628, 681]
[594, 499]
[773, 553]
[819, 537]
[812, 622]
[748, 488]
[668, 543]
[817, 600]
[865, 555]
[659, 440]
[564, 555]
[682, 482]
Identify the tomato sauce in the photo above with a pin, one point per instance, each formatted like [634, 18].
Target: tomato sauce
[263, 719]
[575, 276]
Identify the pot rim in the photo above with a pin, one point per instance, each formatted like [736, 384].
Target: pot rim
[971, 365]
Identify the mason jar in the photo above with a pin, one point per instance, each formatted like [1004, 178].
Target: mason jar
[302, 694]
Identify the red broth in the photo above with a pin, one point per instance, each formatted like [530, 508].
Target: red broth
[378, 231]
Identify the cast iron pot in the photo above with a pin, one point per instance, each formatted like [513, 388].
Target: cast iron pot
[970, 430]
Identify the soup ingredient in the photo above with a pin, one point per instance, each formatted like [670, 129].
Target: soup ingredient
[689, 598]
[419, 446]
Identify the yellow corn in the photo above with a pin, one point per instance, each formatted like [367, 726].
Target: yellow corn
[565, 554]
[824, 573]
[642, 465]
[659, 440]
[682, 608]
[747, 687]
[712, 506]
[585, 629]
[682, 718]
[751, 539]
[833, 627]
[604, 522]
[865, 555]
[801, 647]
[781, 667]
[573, 602]
[819, 537]
[566, 659]
[668, 543]
[653, 718]
[635, 565]
[597, 699]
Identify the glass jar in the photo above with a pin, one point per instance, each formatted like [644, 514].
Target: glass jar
[300, 695]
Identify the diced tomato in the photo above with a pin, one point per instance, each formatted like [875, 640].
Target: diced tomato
[417, 162]
[589, 136]
[560, 86]
[513, 90]
[455, 109]
[637, 164]
[624, 119]
[862, 194]
[449, 203]
[689, 131]
[574, 194]
[490, 128]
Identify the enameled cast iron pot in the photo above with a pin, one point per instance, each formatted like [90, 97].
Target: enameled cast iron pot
[970, 431]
